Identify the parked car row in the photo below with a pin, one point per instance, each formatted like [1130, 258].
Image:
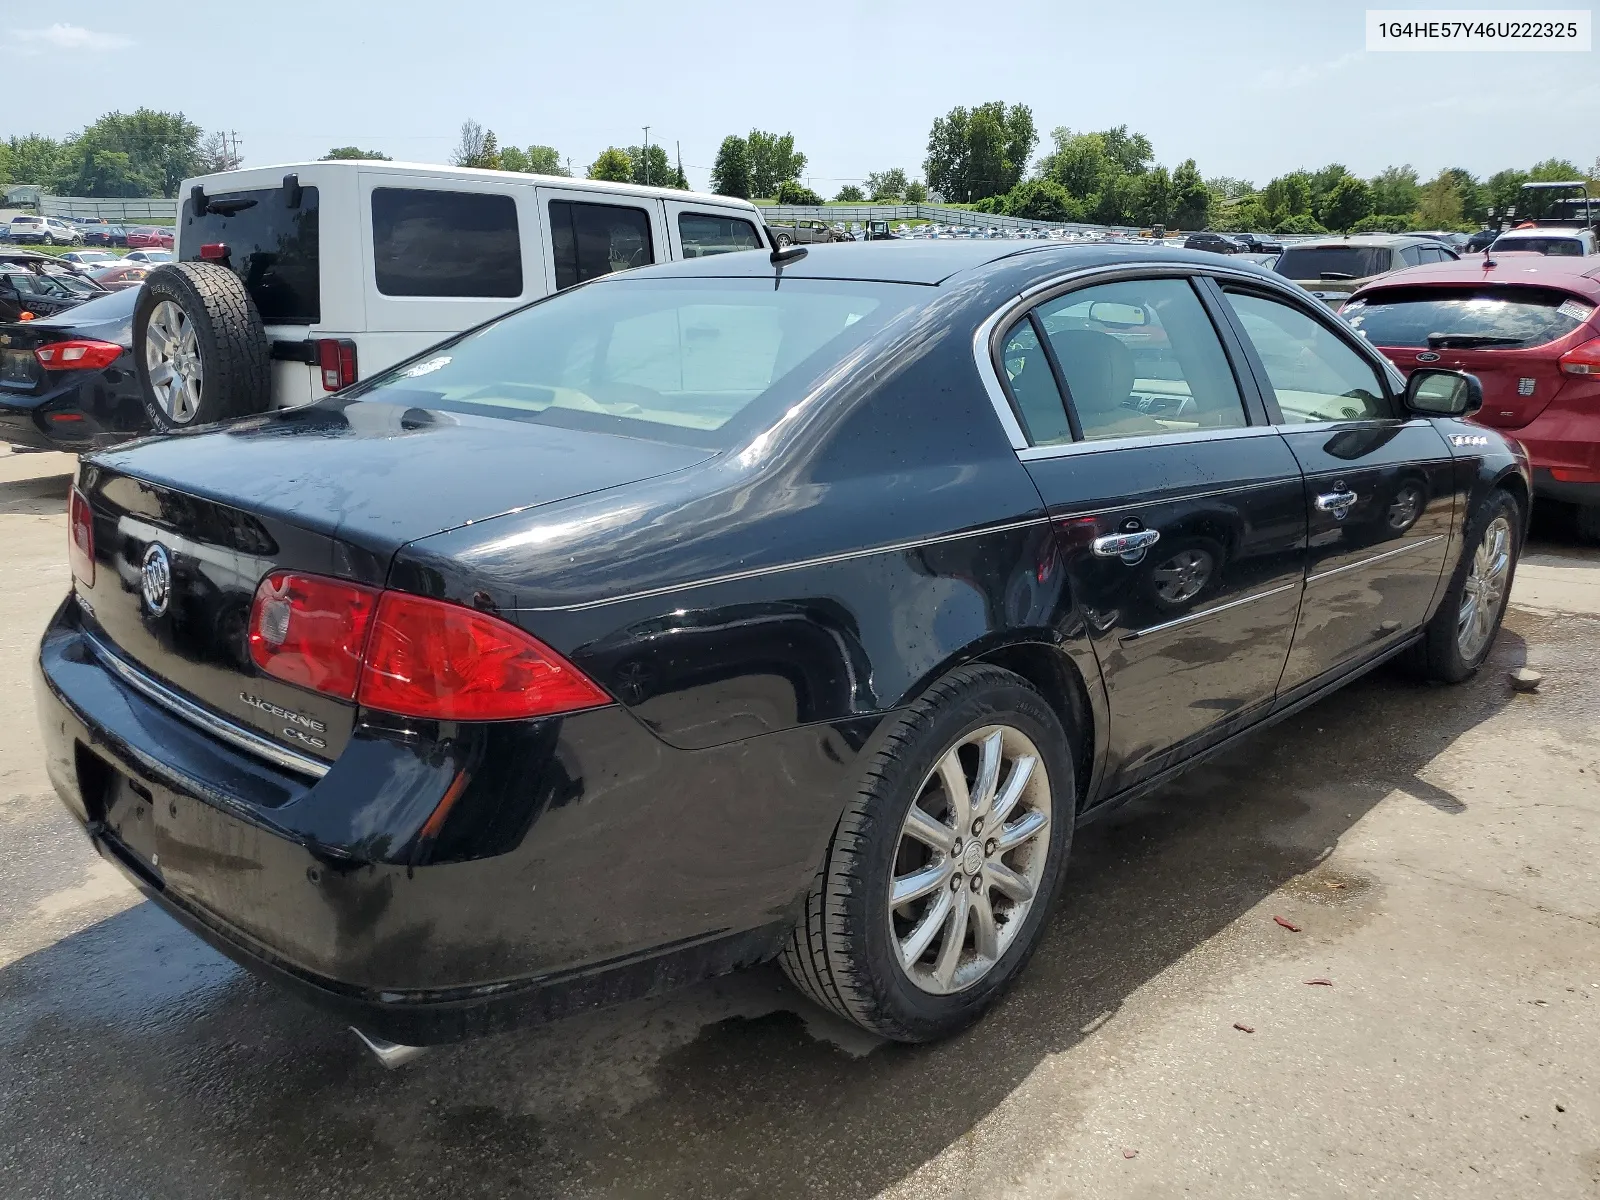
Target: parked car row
[84, 231]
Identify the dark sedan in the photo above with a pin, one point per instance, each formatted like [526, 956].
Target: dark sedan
[750, 606]
[67, 382]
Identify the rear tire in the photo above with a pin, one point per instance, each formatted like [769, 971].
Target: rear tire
[1447, 654]
[849, 952]
[200, 347]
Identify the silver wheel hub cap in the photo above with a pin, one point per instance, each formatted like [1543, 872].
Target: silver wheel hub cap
[172, 356]
[1485, 591]
[970, 859]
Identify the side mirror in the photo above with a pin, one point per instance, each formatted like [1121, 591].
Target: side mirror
[1431, 392]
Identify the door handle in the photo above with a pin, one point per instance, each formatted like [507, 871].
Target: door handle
[1337, 503]
[1129, 547]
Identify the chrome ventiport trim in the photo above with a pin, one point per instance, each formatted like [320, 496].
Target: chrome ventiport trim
[1377, 558]
[219, 727]
[1188, 618]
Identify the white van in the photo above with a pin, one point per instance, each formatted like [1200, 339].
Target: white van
[351, 266]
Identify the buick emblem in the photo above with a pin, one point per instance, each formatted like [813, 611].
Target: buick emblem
[1427, 356]
[155, 580]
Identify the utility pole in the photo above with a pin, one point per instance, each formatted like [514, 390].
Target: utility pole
[647, 154]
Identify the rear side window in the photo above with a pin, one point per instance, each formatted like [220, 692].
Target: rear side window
[433, 243]
[591, 240]
[1334, 262]
[1486, 317]
[704, 234]
[1033, 387]
[273, 248]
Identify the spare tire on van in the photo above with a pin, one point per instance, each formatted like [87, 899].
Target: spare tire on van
[200, 346]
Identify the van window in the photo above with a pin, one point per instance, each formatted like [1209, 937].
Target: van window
[433, 243]
[591, 240]
[704, 234]
[273, 248]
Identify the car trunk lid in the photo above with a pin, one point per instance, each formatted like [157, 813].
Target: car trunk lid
[329, 490]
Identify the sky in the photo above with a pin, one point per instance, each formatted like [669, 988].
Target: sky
[1249, 89]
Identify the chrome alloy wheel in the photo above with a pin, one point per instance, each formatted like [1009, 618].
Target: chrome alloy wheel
[173, 357]
[970, 859]
[1485, 590]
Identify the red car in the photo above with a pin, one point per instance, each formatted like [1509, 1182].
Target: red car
[1528, 326]
[150, 238]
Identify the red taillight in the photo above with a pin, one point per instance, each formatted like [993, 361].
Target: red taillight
[430, 659]
[407, 654]
[80, 539]
[337, 359]
[214, 251]
[85, 354]
[1583, 360]
[308, 630]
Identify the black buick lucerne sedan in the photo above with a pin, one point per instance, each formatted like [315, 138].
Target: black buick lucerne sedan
[747, 607]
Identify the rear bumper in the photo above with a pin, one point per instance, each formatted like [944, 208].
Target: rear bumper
[84, 410]
[1547, 487]
[628, 867]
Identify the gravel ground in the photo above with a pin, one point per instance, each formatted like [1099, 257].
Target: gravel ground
[1436, 847]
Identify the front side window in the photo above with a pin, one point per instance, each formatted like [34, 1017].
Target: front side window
[667, 359]
[591, 240]
[434, 243]
[1141, 357]
[1489, 318]
[1315, 375]
[703, 234]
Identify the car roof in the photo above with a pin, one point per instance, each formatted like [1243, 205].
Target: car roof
[1580, 275]
[1367, 239]
[929, 262]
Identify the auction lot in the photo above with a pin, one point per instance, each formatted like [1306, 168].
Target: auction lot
[1435, 847]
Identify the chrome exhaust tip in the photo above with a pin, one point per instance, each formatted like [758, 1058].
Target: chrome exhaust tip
[391, 1054]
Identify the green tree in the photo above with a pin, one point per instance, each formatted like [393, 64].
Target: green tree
[342, 152]
[1229, 188]
[1474, 197]
[850, 194]
[1155, 197]
[1300, 223]
[1440, 205]
[1042, 200]
[916, 192]
[1247, 216]
[1078, 163]
[5, 163]
[1395, 190]
[1287, 196]
[791, 192]
[1322, 182]
[143, 153]
[545, 160]
[613, 165]
[653, 167]
[478, 147]
[1501, 190]
[1191, 197]
[1554, 170]
[1347, 202]
[34, 159]
[772, 160]
[730, 174]
[979, 152]
[1384, 223]
[1132, 152]
[887, 185]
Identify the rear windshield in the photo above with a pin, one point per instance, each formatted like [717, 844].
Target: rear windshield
[1565, 247]
[1467, 318]
[666, 359]
[1334, 262]
[273, 247]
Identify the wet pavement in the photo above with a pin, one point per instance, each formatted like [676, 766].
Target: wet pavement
[1436, 846]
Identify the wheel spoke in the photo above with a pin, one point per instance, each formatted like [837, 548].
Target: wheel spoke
[955, 934]
[985, 934]
[954, 779]
[160, 374]
[1025, 830]
[1021, 772]
[922, 935]
[988, 777]
[1009, 884]
[928, 830]
[918, 884]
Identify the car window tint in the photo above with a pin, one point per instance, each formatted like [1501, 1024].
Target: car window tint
[591, 240]
[273, 247]
[434, 243]
[1142, 357]
[704, 234]
[1316, 376]
[1334, 262]
[1504, 318]
[1033, 387]
[1410, 256]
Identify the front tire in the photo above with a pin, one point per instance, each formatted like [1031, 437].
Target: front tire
[784, 241]
[1458, 639]
[936, 885]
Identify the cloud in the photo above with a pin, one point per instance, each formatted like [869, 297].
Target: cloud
[67, 37]
[1306, 73]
